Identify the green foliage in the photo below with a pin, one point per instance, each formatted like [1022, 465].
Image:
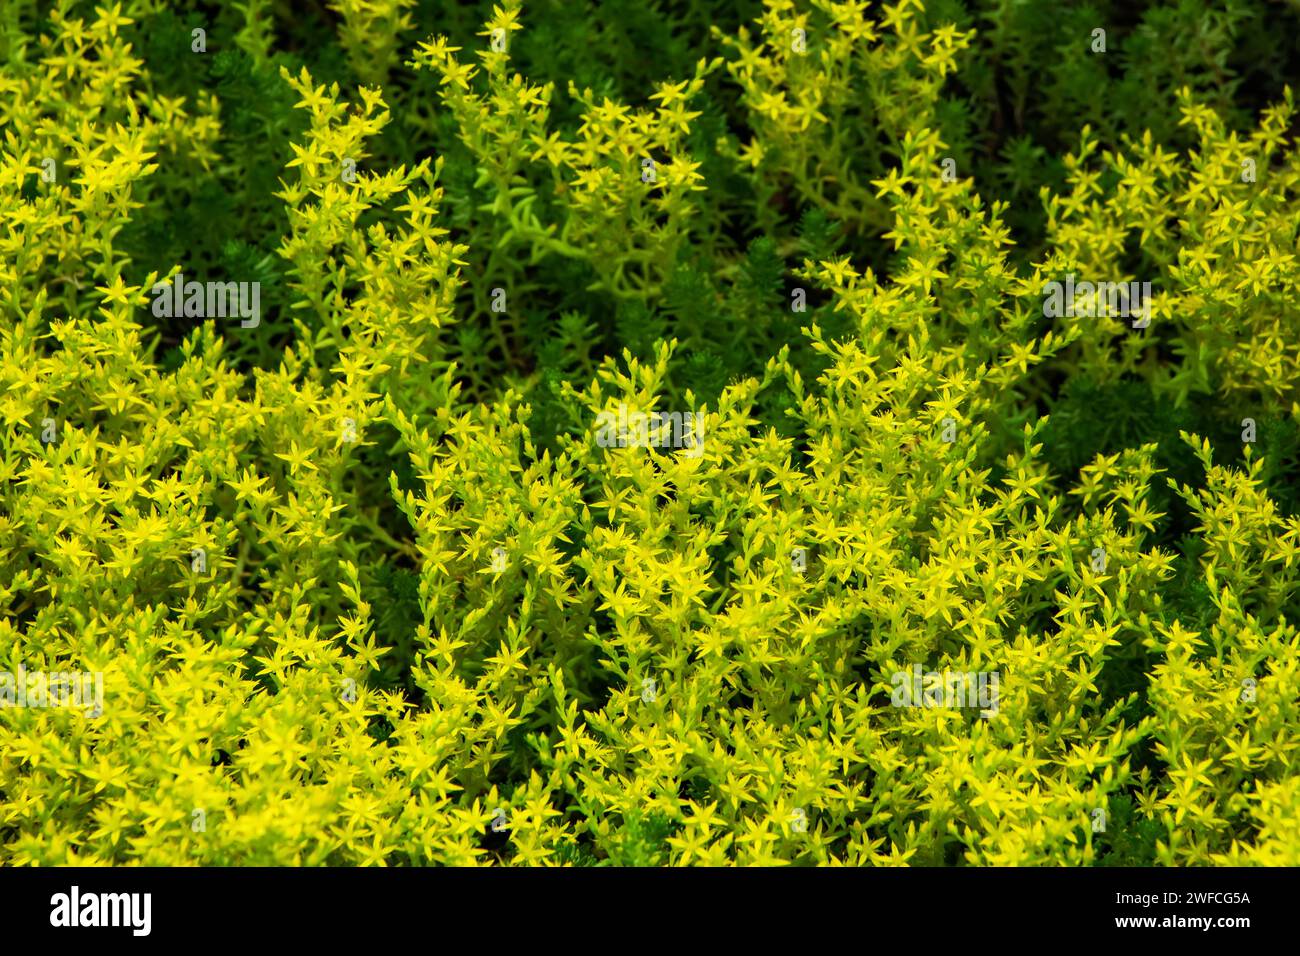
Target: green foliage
[367, 585]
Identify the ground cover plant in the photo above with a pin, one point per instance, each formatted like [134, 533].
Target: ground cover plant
[653, 433]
